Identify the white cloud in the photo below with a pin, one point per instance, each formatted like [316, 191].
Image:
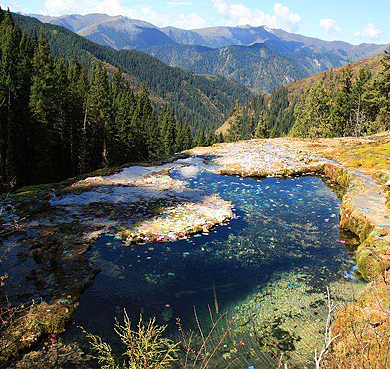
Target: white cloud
[115, 7]
[369, 31]
[239, 11]
[239, 14]
[151, 16]
[110, 7]
[183, 20]
[330, 26]
[221, 7]
[178, 3]
[285, 16]
[59, 7]
[189, 21]
[13, 6]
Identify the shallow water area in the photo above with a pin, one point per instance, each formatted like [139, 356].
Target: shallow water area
[268, 267]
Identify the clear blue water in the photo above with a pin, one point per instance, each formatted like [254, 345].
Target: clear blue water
[282, 225]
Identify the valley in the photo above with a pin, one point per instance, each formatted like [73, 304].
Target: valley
[258, 57]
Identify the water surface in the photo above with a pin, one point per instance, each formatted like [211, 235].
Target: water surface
[283, 249]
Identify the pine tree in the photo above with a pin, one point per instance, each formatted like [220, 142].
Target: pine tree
[99, 119]
[9, 120]
[185, 137]
[383, 87]
[359, 121]
[235, 132]
[77, 91]
[200, 139]
[43, 109]
[168, 132]
[124, 107]
[118, 83]
[62, 125]
[135, 134]
[211, 139]
[146, 111]
[262, 129]
[341, 111]
[24, 132]
[313, 112]
[180, 138]
[82, 151]
[153, 137]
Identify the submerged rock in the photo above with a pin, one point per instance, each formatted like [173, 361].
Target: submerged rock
[58, 224]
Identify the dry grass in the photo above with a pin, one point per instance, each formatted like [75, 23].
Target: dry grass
[200, 347]
[297, 88]
[364, 330]
[145, 347]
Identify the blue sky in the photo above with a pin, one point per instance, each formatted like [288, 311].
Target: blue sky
[347, 20]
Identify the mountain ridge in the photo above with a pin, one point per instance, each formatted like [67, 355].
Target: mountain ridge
[294, 91]
[215, 37]
[257, 66]
[283, 58]
[202, 100]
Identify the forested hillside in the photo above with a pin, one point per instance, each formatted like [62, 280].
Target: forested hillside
[374, 65]
[262, 116]
[345, 106]
[122, 32]
[258, 57]
[59, 119]
[201, 100]
[67, 108]
[256, 66]
[350, 101]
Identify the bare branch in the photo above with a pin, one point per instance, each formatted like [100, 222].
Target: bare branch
[328, 339]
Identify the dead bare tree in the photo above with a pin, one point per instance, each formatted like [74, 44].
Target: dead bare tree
[281, 364]
[328, 337]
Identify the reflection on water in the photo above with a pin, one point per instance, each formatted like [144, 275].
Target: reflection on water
[269, 267]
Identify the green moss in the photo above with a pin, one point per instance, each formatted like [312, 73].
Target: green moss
[369, 267]
[371, 156]
[33, 190]
[368, 257]
[367, 229]
[26, 330]
[343, 180]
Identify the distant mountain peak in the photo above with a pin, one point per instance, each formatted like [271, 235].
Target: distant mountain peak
[121, 32]
[245, 26]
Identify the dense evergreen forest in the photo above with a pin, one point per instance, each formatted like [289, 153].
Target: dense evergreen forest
[336, 105]
[256, 66]
[345, 105]
[64, 112]
[262, 116]
[58, 119]
[202, 100]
